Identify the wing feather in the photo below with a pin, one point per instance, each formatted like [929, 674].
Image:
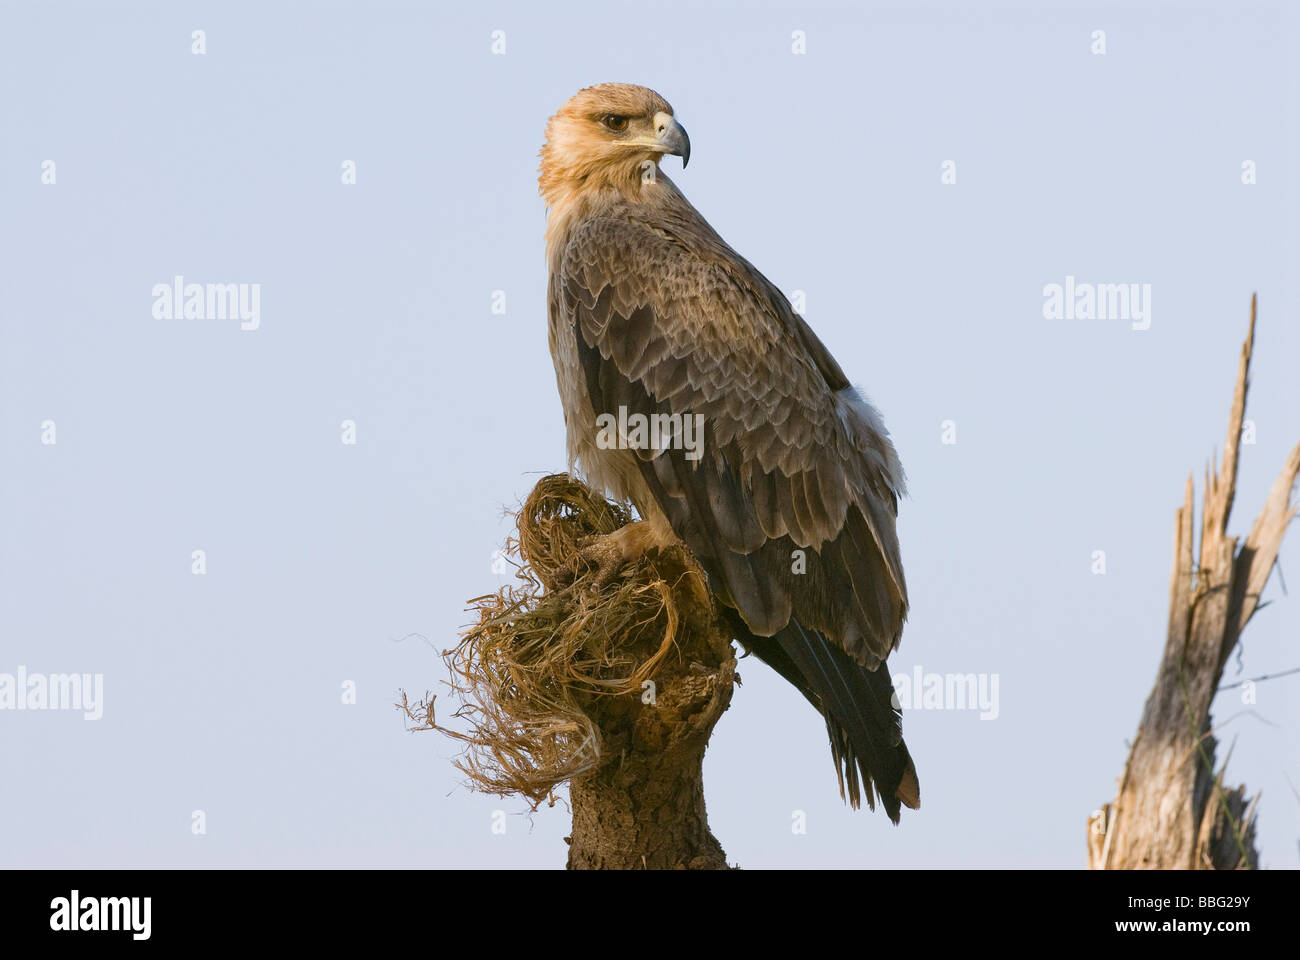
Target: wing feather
[665, 325]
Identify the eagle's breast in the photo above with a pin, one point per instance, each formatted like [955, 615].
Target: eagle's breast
[611, 470]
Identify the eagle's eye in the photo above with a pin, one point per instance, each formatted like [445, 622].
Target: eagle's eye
[615, 122]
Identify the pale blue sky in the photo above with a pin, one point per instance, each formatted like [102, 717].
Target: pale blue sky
[222, 691]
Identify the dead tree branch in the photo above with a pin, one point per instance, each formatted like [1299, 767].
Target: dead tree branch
[1172, 810]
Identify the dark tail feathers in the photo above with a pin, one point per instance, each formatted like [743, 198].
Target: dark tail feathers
[864, 725]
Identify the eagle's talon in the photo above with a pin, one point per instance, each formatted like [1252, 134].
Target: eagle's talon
[602, 552]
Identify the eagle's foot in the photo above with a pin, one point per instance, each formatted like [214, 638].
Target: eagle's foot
[601, 552]
[608, 554]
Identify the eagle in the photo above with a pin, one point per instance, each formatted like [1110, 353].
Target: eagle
[786, 490]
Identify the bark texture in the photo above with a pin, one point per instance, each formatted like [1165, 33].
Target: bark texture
[1172, 811]
[643, 806]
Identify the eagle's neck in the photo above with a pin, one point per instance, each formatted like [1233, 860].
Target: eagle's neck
[576, 201]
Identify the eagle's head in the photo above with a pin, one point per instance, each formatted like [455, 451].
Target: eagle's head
[608, 135]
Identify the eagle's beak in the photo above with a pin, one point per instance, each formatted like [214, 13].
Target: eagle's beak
[672, 137]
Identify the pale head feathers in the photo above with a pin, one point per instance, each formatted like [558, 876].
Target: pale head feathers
[602, 144]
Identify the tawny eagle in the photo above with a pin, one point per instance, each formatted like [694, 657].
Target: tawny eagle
[789, 496]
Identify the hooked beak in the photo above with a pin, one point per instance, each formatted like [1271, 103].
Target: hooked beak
[672, 137]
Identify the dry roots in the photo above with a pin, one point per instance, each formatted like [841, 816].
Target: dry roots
[546, 666]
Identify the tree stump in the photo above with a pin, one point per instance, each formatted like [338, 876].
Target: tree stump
[643, 805]
[612, 686]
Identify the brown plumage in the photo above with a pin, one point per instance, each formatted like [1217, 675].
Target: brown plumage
[791, 504]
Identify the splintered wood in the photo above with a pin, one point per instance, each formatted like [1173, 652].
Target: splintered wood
[1172, 810]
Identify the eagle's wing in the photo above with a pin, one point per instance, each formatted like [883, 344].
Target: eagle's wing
[791, 507]
[792, 459]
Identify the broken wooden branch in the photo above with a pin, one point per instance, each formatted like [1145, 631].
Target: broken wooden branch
[1172, 811]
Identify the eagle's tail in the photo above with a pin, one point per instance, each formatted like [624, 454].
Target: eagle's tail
[864, 725]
